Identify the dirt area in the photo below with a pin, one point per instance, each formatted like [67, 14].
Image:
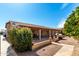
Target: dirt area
[28, 53]
[68, 40]
[49, 50]
[71, 41]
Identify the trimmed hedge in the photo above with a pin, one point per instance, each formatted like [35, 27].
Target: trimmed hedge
[21, 39]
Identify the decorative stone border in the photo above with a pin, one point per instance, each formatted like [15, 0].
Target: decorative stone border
[40, 44]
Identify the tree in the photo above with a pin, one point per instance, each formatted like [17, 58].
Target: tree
[71, 26]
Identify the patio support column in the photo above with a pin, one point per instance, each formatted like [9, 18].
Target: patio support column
[50, 38]
[49, 33]
[39, 34]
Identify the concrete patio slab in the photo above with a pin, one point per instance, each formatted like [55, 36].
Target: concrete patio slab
[6, 50]
[66, 50]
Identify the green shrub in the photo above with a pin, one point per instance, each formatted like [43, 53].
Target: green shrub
[1, 33]
[21, 39]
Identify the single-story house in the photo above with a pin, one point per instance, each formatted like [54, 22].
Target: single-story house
[39, 32]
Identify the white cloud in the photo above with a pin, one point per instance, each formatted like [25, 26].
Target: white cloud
[61, 24]
[64, 5]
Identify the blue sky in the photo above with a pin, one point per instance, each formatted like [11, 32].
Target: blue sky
[46, 14]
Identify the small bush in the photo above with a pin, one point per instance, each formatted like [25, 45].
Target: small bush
[1, 33]
[21, 39]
